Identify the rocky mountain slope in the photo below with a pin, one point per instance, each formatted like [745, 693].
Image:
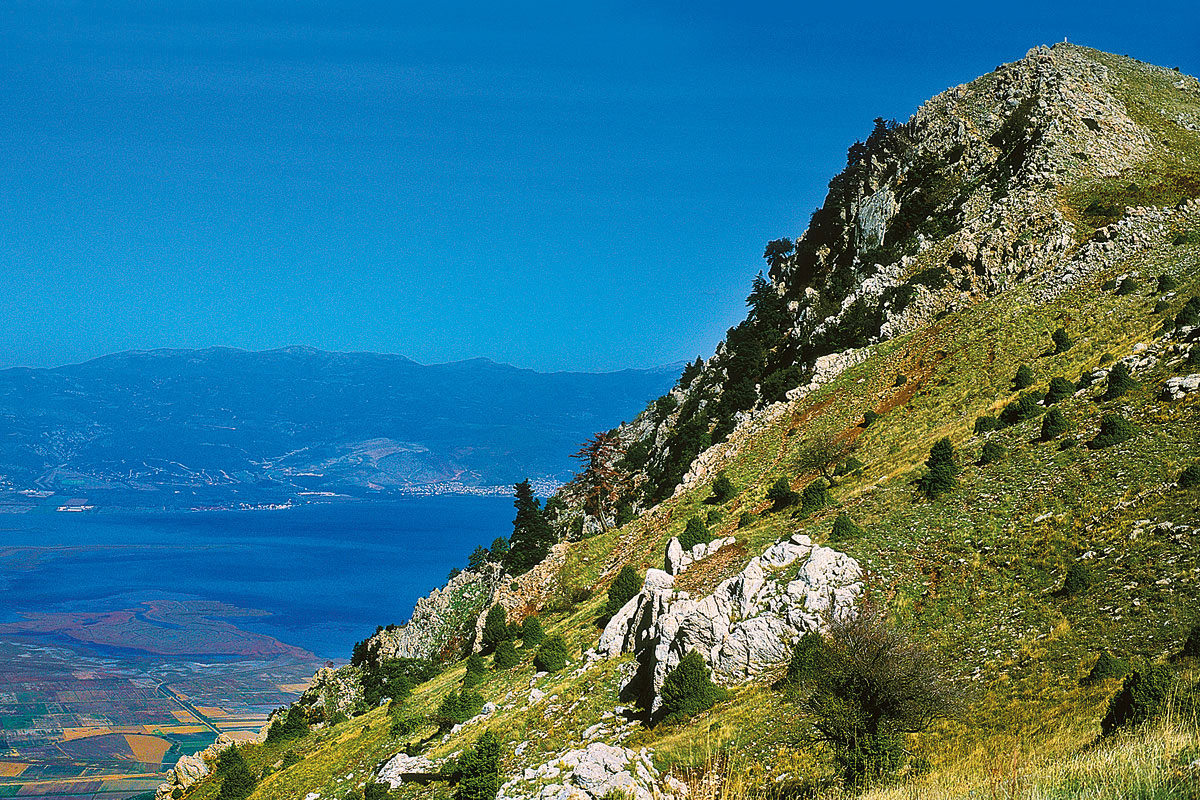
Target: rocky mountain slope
[224, 425]
[968, 399]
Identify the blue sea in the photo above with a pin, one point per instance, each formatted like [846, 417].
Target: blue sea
[328, 574]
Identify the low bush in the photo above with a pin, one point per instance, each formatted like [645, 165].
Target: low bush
[1024, 378]
[293, 725]
[1054, 424]
[1114, 429]
[476, 671]
[1062, 341]
[457, 708]
[1167, 284]
[805, 663]
[1023, 408]
[942, 469]
[1060, 389]
[1189, 315]
[624, 588]
[1127, 286]
[1143, 697]
[377, 791]
[844, 529]
[869, 417]
[985, 424]
[1107, 667]
[495, 628]
[1189, 478]
[506, 656]
[992, 452]
[237, 782]
[1160, 307]
[552, 655]
[1120, 382]
[781, 495]
[1191, 645]
[722, 488]
[1077, 580]
[745, 519]
[694, 533]
[815, 496]
[532, 633]
[688, 688]
[848, 467]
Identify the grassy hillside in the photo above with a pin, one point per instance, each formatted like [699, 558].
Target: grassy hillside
[976, 575]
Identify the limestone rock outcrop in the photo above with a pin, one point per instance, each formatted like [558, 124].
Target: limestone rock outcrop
[191, 769]
[592, 773]
[745, 627]
[401, 764]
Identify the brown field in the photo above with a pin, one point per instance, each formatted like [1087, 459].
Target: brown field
[147, 749]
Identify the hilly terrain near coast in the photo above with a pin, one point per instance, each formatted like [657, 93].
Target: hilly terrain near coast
[223, 427]
[926, 524]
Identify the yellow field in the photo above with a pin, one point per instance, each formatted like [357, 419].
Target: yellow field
[11, 769]
[183, 716]
[292, 687]
[71, 734]
[147, 749]
[212, 711]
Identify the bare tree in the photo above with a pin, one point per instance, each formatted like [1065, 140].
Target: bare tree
[823, 452]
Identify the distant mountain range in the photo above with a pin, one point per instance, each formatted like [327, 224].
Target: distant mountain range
[224, 426]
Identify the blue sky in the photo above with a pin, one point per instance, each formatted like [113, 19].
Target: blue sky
[555, 185]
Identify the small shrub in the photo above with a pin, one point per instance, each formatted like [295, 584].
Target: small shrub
[476, 671]
[688, 688]
[457, 708]
[506, 656]
[781, 495]
[869, 417]
[901, 379]
[943, 469]
[985, 424]
[745, 519]
[992, 452]
[1114, 430]
[1189, 315]
[495, 628]
[1060, 389]
[1023, 408]
[694, 533]
[805, 662]
[1054, 424]
[1106, 359]
[1160, 307]
[237, 782]
[713, 516]
[1077, 581]
[1193, 356]
[1190, 477]
[404, 726]
[624, 588]
[1191, 645]
[532, 633]
[1109, 284]
[1067, 444]
[377, 791]
[1024, 378]
[552, 655]
[844, 529]
[1127, 286]
[1120, 382]
[722, 488]
[478, 771]
[1142, 698]
[1107, 667]
[1062, 341]
[815, 496]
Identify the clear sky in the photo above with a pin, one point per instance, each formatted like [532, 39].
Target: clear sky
[557, 185]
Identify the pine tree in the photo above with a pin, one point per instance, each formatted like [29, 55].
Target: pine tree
[552, 655]
[815, 496]
[506, 656]
[624, 588]
[1024, 377]
[1053, 424]
[495, 628]
[1062, 341]
[781, 495]
[532, 633]
[1060, 389]
[476, 671]
[532, 536]
[479, 770]
[943, 469]
[1120, 382]
[688, 688]
[237, 782]
[722, 488]
[844, 529]
[696, 532]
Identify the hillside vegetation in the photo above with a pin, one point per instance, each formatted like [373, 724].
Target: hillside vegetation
[972, 374]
